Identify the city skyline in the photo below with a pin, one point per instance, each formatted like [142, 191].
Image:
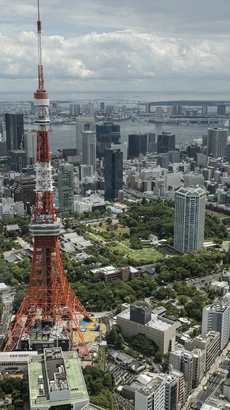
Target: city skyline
[163, 46]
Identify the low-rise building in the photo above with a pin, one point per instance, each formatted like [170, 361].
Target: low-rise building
[210, 343]
[139, 318]
[56, 381]
[109, 273]
[222, 287]
[15, 362]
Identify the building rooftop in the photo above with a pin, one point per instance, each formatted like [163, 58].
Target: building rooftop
[152, 386]
[218, 284]
[217, 307]
[16, 356]
[56, 377]
[155, 323]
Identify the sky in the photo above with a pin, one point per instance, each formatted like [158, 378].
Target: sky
[164, 46]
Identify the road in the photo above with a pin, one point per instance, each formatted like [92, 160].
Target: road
[211, 388]
[196, 393]
[7, 299]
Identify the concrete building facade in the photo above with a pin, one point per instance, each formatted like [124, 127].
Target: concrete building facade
[217, 142]
[153, 327]
[189, 219]
[217, 317]
[153, 392]
[66, 188]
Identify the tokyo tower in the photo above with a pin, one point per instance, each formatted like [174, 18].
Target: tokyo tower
[48, 315]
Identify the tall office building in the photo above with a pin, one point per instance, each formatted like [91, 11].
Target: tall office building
[107, 134]
[204, 110]
[30, 141]
[85, 171]
[217, 317]
[89, 148]
[74, 110]
[171, 392]
[66, 188]
[152, 145]
[166, 142]
[138, 144]
[151, 396]
[189, 219]
[14, 131]
[83, 124]
[123, 147]
[221, 109]
[182, 360]
[113, 173]
[217, 142]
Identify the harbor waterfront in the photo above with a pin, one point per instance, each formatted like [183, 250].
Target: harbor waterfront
[64, 135]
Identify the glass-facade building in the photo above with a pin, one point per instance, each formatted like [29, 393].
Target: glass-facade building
[113, 173]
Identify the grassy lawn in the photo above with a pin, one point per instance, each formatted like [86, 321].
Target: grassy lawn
[94, 236]
[218, 214]
[120, 249]
[146, 255]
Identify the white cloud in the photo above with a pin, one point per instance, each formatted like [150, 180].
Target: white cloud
[132, 44]
[118, 56]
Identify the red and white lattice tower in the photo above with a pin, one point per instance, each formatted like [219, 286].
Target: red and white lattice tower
[50, 309]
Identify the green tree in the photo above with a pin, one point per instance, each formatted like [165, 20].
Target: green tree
[119, 342]
[112, 337]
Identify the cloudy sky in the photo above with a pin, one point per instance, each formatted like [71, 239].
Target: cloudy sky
[180, 46]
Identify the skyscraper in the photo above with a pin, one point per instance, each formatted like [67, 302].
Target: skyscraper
[189, 219]
[83, 124]
[106, 134]
[217, 142]
[113, 173]
[89, 148]
[74, 110]
[14, 131]
[66, 188]
[221, 109]
[138, 144]
[165, 142]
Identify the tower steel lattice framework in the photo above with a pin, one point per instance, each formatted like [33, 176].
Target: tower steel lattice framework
[49, 298]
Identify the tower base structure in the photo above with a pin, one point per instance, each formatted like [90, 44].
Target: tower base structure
[49, 314]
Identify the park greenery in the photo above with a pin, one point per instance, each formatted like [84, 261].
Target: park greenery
[100, 385]
[119, 244]
[17, 387]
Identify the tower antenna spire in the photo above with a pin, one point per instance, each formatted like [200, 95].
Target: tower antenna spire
[40, 63]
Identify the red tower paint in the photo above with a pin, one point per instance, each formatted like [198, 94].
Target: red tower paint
[49, 312]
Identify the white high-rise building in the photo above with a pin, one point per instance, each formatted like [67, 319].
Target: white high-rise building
[66, 188]
[153, 392]
[217, 317]
[189, 219]
[217, 142]
[30, 143]
[83, 124]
